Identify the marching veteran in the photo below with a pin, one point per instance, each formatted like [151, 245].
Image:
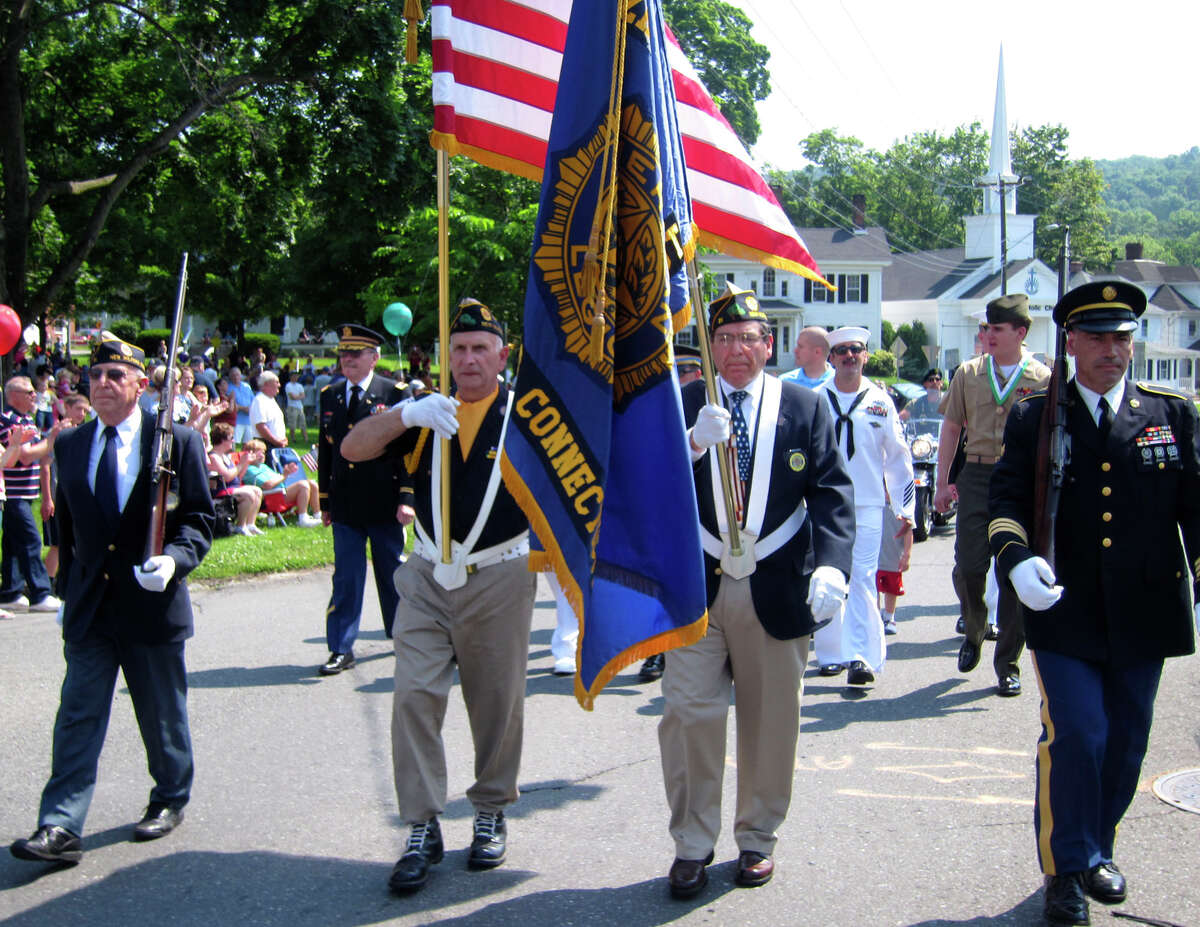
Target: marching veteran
[867, 432]
[982, 394]
[361, 499]
[1118, 598]
[476, 609]
[120, 610]
[798, 513]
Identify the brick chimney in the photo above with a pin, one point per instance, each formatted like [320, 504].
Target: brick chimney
[1133, 250]
[860, 213]
[1075, 267]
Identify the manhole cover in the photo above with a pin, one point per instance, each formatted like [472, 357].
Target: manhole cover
[1181, 789]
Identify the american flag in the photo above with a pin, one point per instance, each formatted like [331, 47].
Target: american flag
[310, 460]
[495, 77]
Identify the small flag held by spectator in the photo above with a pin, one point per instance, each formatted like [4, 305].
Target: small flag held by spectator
[310, 460]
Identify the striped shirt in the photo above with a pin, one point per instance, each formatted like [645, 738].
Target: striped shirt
[20, 480]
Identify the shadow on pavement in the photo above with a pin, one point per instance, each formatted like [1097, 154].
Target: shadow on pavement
[936, 700]
[1026, 914]
[199, 889]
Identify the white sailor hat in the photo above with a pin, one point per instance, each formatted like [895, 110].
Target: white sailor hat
[848, 334]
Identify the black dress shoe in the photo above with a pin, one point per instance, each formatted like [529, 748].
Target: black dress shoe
[1105, 883]
[158, 821]
[832, 669]
[960, 626]
[1009, 685]
[490, 842]
[652, 668]
[968, 657]
[1065, 904]
[754, 869]
[49, 844]
[688, 876]
[424, 849]
[336, 663]
[859, 675]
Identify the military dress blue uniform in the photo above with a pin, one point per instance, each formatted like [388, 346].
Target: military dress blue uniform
[1126, 603]
[361, 499]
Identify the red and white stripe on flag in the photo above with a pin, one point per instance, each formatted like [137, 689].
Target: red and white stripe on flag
[495, 76]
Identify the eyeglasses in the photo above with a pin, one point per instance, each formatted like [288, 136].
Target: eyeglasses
[112, 374]
[843, 349]
[749, 339]
[934, 380]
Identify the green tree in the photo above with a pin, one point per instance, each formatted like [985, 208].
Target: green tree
[96, 102]
[715, 36]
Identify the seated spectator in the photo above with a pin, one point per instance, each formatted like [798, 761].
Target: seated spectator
[228, 479]
[302, 494]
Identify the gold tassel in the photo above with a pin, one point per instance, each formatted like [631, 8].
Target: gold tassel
[414, 14]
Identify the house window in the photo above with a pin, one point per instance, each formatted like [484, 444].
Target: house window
[1164, 370]
[783, 288]
[1145, 328]
[1191, 328]
[687, 337]
[821, 294]
[853, 285]
[1186, 368]
[768, 287]
[786, 344]
[729, 276]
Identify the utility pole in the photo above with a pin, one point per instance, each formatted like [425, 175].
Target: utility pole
[1001, 182]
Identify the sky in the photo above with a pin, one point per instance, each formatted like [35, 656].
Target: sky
[1119, 76]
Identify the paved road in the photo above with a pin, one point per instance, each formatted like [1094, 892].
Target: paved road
[912, 803]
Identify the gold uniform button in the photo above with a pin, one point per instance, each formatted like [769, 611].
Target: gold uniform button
[1178, 575]
[1162, 466]
[1107, 516]
[112, 546]
[1106, 466]
[105, 576]
[1106, 542]
[1106, 490]
[717, 571]
[351, 466]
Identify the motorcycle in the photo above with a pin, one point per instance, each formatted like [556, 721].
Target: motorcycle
[922, 436]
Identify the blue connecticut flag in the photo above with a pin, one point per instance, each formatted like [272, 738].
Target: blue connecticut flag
[596, 452]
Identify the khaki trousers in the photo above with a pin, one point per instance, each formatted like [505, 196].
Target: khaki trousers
[485, 624]
[766, 676]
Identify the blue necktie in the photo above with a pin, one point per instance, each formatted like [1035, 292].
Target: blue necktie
[741, 434]
[106, 476]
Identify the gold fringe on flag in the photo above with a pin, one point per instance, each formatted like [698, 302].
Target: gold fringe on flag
[413, 14]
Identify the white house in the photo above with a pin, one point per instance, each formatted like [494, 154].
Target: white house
[852, 261]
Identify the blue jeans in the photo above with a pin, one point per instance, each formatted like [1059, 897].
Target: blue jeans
[21, 554]
[350, 573]
[157, 681]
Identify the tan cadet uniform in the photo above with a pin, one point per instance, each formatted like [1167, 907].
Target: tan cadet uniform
[980, 403]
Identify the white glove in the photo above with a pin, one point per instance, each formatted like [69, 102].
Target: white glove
[432, 411]
[155, 573]
[1033, 582]
[712, 426]
[826, 592]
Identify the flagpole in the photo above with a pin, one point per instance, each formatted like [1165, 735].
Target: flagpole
[710, 382]
[443, 202]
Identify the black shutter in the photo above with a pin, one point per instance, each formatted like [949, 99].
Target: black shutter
[863, 291]
[807, 290]
[841, 285]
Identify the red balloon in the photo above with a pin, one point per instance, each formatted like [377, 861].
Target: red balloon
[10, 328]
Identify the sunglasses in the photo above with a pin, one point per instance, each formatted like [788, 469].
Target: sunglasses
[114, 374]
[843, 349]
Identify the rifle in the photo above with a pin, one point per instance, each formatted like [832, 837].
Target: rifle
[1052, 436]
[160, 454]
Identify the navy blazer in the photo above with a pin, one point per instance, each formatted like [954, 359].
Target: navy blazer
[1126, 501]
[96, 557]
[779, 583]
[363, 493]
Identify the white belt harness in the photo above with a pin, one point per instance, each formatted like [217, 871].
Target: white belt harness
[754, 548]
[464, 559]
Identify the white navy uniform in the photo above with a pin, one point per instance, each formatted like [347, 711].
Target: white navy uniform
[876, 456]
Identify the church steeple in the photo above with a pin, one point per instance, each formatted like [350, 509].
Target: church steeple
[986, 231]
[1000, 162]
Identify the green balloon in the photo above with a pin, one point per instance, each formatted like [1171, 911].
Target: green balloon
[397, 319]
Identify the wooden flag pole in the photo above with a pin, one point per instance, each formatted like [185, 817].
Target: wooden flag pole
[443, 201]
[710, 382]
